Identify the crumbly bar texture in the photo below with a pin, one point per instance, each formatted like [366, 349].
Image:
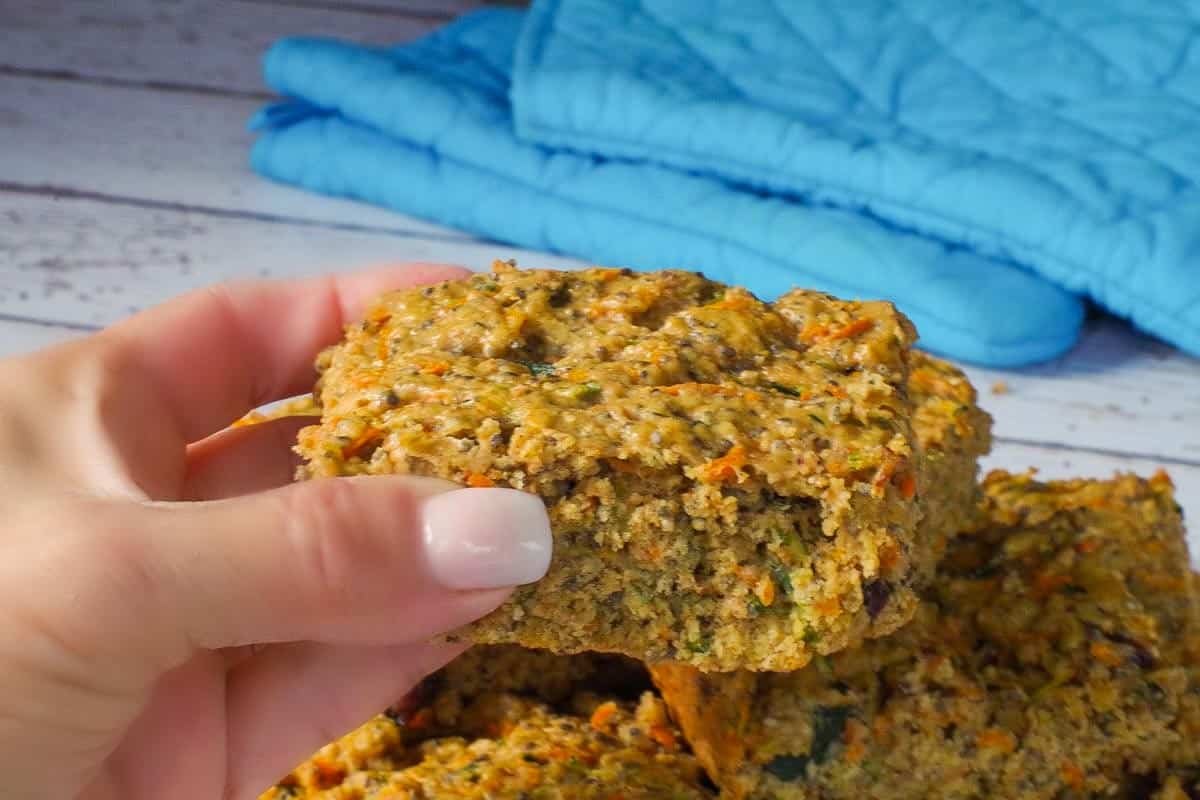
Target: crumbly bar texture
[504, 746]
[441, 706]
[953, 433]
[1050, 658]
[713, 709]
[729, 485]
[538, 674]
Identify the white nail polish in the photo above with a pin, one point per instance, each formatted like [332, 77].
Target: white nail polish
[486, 538]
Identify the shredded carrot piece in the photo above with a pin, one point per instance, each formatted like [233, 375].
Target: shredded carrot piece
[368, 436]
[603, 715]
[764, 590]
[852, 329]
[881, 726]
[559, 753]
[1105, 654]
[381, 349]
[997, 739]
[477, 480]
[438, 368]
[886, 470]
[836, 391]
[1160, 476]
[608, 274]
[855, 735]
[1087, 546]
[733, 301]
[328, 774]
[829, 607]
[726, 468]
[1072, 775]
[889, 557]
[664, 737]
[1047, 583]
[379, 315]
[813, 331]
[908, 486]
[420, 720]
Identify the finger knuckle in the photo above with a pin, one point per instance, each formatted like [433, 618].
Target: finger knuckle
[329, 535]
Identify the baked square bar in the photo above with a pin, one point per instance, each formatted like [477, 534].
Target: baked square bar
[729, 485]
[952, 433]
[501, 745]
[1049, 659]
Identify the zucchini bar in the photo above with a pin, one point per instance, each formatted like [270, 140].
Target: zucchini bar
[506, 746]
[952, 433]
[731, 484]
[1050, 658]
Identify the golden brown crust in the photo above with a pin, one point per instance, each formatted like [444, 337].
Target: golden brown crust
[730, 484]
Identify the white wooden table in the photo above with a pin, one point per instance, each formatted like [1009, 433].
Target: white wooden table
[123, 181]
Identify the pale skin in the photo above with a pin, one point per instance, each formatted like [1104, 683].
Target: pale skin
[176, 620]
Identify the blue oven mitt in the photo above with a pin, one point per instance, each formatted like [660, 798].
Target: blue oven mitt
[1061, 136]
[427, 128]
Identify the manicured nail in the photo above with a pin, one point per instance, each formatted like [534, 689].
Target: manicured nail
[486, 538]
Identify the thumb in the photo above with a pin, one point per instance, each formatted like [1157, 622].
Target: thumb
[370, 560]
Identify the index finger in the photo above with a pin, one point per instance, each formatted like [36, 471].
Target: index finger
[214, 354]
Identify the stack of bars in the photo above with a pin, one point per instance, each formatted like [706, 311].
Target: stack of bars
[776, 574]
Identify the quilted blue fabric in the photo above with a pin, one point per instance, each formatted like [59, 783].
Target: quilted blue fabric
[959, 164]
[1062, 136]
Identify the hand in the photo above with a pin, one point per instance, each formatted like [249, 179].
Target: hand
[175, 619]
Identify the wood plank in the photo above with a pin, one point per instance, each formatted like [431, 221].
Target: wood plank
[1117, 390]
[166, 147]
[1065, 463]
[187, 42]
[86, 262]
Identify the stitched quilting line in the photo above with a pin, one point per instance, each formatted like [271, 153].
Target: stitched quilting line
[1033, 253]
[1183, 100]
[914, 132]
[1025, 253]
[1180, 59]
[954, 55]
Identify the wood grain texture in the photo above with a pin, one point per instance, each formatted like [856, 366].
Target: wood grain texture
[86, 262]
[1117, 390]
[200, 43]
[165, 147]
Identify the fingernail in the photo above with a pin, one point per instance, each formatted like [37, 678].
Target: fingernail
[486, 538]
